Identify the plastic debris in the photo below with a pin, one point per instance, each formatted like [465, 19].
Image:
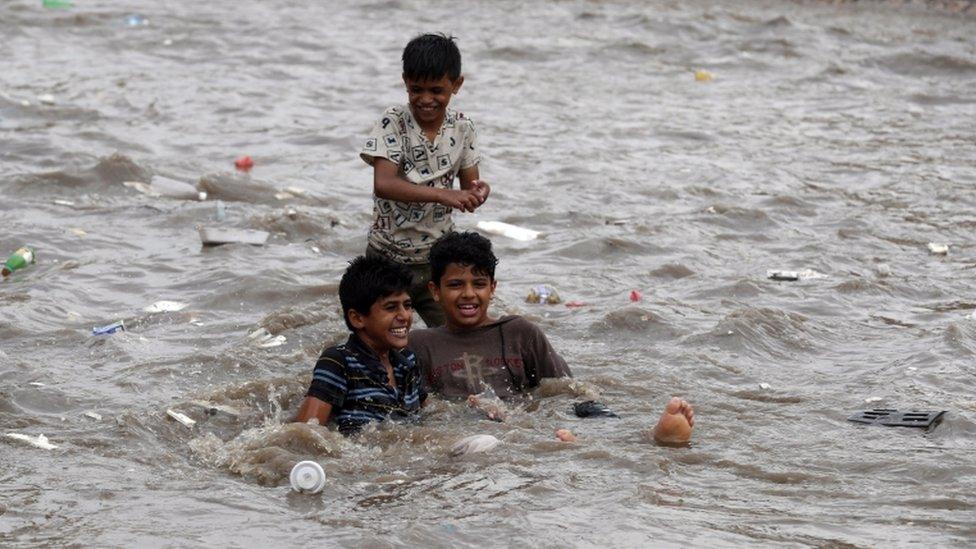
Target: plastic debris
[565, 435]
[57, 4]
[20, 259]
[64, 203]
[592, 408]
[543, 293]
[165, 307]
[184, 420]
[895, 418]
[46, 99]
[213, 409]
[221, 211]
[574, 304]
[244, 163]
[176, 189]
[938, 249]
[873, 399]
[109, 329]
[78, 232]
[40, 441]
[765, 386]
[212, 236]
[307, 477]
[703, 76]
[636, 296]
[136, 20]
[263, 339]
[782, 275]
[93, 415]
[510, 231]
[474, 444]
[36, 384]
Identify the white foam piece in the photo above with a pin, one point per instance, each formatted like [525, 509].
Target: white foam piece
[186, 421]
[474, 444]
[507, 230]
[938, 248]
[40, 441]
[94, 415]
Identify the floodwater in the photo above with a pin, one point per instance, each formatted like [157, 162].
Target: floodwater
[834, 137]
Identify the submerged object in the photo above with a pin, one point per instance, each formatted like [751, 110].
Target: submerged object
[592, 408]
[307, 477]
[186, 421]
[20, 259]
[474, 444]
[110, 329]
[212, 236]
[510, 231]
[782, 275]
[895, 418]
[40, 441]
[938, 249]
[543, 293]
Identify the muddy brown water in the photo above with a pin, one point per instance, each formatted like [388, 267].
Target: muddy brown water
[835, 137]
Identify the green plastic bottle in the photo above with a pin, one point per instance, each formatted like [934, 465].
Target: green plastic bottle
[23, 257]
[57, 4]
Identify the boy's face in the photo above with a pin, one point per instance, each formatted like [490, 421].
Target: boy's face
[464, 295]
[387, 324]
[429, 98]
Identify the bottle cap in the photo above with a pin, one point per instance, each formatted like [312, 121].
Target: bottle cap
[307, 477]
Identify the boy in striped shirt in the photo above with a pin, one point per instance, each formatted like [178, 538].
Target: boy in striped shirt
[372, 376]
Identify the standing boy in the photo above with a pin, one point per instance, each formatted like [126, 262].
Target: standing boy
[416, 151]
[371, 377]
[510, 355]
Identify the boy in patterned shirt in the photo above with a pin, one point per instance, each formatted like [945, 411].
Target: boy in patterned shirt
[416, 151]
[372, 376]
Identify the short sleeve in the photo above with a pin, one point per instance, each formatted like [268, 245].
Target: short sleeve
[329, 382]
[384, 141]
[470, 155]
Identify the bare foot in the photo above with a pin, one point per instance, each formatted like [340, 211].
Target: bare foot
[565, 435]
[676, 422]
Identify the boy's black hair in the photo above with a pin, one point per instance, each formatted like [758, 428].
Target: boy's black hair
[467, 248]
[431, 57]
[368, 279]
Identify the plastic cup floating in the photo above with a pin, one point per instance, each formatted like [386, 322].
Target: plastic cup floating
[307, 477]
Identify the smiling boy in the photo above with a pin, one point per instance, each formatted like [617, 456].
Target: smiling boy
[510, 355]
[417, 151]
[371, 377]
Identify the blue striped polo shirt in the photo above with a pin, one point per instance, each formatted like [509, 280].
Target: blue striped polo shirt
[352, 379]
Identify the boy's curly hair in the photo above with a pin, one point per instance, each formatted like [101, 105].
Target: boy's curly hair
[368, 279]
[467, 248]
[431, 57]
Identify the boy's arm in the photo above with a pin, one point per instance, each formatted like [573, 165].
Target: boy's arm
[314, 408]
[388, 184]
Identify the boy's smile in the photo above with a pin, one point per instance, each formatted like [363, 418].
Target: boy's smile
[464, 295]
[429, 99]
[387, 324]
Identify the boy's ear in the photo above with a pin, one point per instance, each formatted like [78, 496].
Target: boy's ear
[434, 290]
[457, 83]
[357, 319]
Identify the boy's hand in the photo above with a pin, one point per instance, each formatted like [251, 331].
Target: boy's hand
[464, 200]
[482, 188]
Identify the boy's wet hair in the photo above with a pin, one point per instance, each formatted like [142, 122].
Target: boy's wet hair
[367, 280]
[431, 57]
[467, 248]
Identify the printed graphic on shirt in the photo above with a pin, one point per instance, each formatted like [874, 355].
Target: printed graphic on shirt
[443, 161]
[390, 140]
[370, 144]
[419, 153]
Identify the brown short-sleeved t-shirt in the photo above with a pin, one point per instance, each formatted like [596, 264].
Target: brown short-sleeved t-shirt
[509, 355]
[405, 231]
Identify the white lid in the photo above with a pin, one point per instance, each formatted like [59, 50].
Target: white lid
[307, 477]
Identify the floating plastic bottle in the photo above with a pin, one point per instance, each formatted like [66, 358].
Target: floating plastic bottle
[57, 4]
[307, 477]
[543, 293]
[23, 257]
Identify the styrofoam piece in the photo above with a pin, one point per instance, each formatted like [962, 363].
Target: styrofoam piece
[184, 420]
[938, 248]
[40, 441]
[165, 307]
[474, 444]
[507, 230]
[176, 189]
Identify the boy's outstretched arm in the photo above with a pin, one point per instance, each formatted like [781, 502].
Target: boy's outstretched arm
[470, 180]
[388, 184]
[314, 408]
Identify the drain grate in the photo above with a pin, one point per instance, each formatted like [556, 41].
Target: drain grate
[896, 418]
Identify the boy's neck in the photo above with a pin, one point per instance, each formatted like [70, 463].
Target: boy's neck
[430, 129]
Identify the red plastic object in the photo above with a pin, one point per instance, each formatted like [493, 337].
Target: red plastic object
[636, 295]
[574, 304]
[244, 163]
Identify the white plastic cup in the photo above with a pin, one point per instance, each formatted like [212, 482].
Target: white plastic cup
[307, 477]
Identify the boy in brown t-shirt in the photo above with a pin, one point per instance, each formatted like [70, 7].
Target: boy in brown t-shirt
[510, 355]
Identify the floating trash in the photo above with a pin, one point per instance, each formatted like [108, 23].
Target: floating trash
[592, 408]
[543, 293]
[220, 212]
[703, 76]
[873, 399]
[895, 418]
[574, 304]
[109, 329]
[165, 307]
[765, 386]
[783, 275]
[136, 20]
[636, 296]
[307, 477]
[57, 4]
[93, 415]
[40, 441]
[184, 420]
[938, 249]
[474, 444]
[263, 339]
[506, 230]
[244, 163]
[46, 99]
[20, 259]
